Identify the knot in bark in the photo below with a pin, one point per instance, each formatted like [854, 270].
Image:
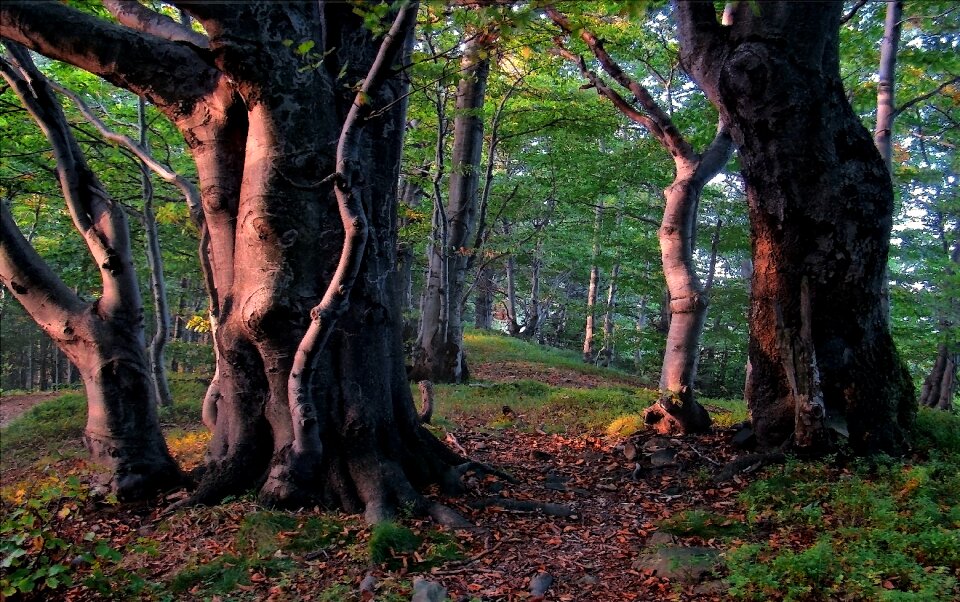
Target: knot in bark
[687, 305]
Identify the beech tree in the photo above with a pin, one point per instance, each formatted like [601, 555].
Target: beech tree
[820, 202]
[294, 114]
[104, 338]
[439, 354]
[676, 408]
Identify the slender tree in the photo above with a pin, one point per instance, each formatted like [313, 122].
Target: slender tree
[822, 361]
[676, 408]
[439, 353]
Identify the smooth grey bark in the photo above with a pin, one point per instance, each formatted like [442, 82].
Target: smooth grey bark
[589, 328]
[158, 283]
[105, 338]
[822, 362]
[281, 183]
[676, 409]
[439, 353]
[886, 83]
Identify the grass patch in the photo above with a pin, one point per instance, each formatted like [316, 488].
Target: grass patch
[882, 530]
[42, 430]
[389, 539]
[224, 573]
[703, 524]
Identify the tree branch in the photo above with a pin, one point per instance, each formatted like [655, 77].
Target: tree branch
[189, 191]
[137, 16]
[923, 97]
[853, 11]
[171, 75]
[665, 131]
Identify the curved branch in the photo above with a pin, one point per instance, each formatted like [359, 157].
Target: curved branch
[914, 101]
[171, 75]
[137, 16]
[666, 132]
[28, 277]
[335, 301]
[190, 192]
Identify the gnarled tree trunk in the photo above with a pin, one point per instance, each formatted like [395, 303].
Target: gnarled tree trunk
[820, 204]
[105, 338]
[292, 162]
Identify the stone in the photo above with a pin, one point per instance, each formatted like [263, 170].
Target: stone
[427, 591]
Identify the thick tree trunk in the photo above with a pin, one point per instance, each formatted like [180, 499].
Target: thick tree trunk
[940, 386]
[105, 338]
[282, 184]
[820, 204]
[439, 353]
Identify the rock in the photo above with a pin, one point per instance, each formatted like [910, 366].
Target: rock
[685, 565]
[661, 538]
[655, 444]
[427, 591]
[630, 451]
[664, 457]
[715, 587]
[588, 580]
[540, 583]
[744, 438]
[367, 587]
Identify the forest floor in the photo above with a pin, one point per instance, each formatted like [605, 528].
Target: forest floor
[12, 406]
[590, 513]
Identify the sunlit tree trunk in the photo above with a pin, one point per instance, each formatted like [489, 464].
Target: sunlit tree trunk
[823, 364]
[589, 328]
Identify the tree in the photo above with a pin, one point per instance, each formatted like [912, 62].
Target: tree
[103, 338]
[439, 354]
[820, 202]
[676, 408]
[294, 116]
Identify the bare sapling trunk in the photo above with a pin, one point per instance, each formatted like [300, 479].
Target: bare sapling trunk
[820, 204]
[676, 409]
[439, 354]
[105, 338]
[158, 285]
[589, 328]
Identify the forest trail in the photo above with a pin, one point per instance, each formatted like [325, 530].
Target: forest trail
[12, 406]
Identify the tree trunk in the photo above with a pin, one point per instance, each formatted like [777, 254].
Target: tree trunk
[439, 353]
[483, 299]
[588, 331]
[105, 338]
[886, 76]
[158, 284]
[940, 386]
[608, 315]
[820, 204]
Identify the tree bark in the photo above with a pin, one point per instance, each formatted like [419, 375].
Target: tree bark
[158, 284]
[820, 204]
[588, 331]
[886, 84]
[104, 339]
[284, 179]
[439, 353]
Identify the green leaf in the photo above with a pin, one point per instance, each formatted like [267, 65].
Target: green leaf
[305, 47]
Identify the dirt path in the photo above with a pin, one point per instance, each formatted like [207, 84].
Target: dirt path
[12, 406]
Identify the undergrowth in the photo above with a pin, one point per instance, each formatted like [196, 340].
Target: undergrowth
[881, 529]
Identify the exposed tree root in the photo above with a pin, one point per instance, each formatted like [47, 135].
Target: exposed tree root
[747, 464]
[547, 508]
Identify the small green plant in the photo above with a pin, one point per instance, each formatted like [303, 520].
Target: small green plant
[388, 539]
[700, 523]
[625, 426]
[35, 555]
